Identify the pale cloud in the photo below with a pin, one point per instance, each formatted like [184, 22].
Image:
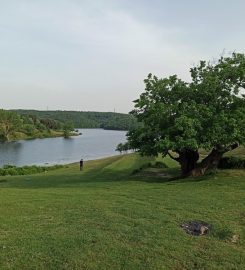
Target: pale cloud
[94, 55]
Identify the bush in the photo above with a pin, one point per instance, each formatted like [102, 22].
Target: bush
[25, 170]
[231, 163]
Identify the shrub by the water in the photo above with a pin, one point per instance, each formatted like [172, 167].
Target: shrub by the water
[13, 170]
[231, 163]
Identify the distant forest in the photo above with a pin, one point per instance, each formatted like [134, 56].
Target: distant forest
[105, 120]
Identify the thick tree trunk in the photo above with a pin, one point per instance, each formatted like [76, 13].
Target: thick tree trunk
[210, 162]
[188, 160]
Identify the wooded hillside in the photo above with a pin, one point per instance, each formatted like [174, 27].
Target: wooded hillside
[106, 120]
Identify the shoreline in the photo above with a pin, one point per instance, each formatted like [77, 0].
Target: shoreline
[92, 145]
[53, 134]
[9, 170]
[62, 164]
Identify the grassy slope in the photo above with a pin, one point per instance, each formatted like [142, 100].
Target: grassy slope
[107, 218]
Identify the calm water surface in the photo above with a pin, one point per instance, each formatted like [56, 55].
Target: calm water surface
[92, 144]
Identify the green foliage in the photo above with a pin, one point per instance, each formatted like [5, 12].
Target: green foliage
[232, 163]
[16, 126]
[9, 124]
[28, 129]
[40, 126]
[208, 112]
[120, 148]
[51, 123]
[68, 127]
[106, 120]
[25, 170]
[123, 147]
[120, 122]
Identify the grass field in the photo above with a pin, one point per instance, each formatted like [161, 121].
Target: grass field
[108, 218]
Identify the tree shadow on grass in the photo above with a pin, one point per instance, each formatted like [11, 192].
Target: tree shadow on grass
[157, 175]
[172, 176]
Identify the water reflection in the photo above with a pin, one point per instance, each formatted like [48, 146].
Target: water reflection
[10, 152]
[92, 144]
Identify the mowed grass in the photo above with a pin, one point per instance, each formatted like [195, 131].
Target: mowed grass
[108, 218]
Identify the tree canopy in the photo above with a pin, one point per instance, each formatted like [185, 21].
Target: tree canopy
[9, 124]
[16, 126]
[182, 117]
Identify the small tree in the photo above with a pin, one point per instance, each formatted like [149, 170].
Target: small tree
[119, 148]
[67, 128]
[123, 147]
[181, 118]
[10, 122]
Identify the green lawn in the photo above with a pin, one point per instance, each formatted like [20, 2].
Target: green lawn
[108, 218]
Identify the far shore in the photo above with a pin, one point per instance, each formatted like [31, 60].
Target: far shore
[42, 135]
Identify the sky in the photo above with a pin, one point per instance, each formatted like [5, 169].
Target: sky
[94, 55]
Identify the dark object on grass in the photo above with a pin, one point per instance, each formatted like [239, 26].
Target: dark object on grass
[81, 164]
[196, 227]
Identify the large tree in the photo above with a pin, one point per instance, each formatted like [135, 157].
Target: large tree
[10, 122]
[180, 118]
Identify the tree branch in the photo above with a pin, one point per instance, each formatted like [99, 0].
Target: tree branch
[226, 149]
[174, 158]
[232, 147]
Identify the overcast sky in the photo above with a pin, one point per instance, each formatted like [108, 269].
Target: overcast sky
[94, 55]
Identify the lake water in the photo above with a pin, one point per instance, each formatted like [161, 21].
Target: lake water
[92, 144]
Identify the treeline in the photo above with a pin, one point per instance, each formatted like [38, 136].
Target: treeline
[105, 120]
[14, 125]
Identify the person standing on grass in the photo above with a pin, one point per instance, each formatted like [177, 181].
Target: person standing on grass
[81, 164]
